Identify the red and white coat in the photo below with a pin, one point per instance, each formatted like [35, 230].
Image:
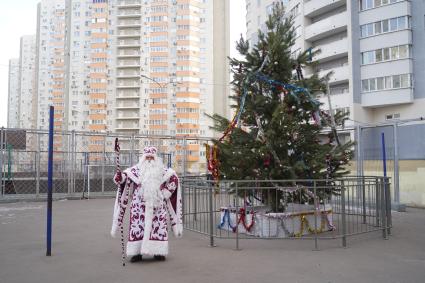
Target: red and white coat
[148, 231]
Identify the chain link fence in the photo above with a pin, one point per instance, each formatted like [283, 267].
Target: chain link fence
[84, 162]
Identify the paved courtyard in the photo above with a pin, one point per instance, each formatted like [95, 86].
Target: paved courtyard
[83, 251]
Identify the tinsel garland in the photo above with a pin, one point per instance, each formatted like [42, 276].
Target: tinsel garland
[293, 90]
[242, 219]
[304, 223]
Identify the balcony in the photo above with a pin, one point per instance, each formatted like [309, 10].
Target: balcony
[127, 126]
[130, 116]
[332, 25]
[129, 13]
[128, 53]
[128, 64]
[333, 50]
[128, 33]
[314, 8]
[129, 43]
[129, 3]
[387, 97]
[128, 85]
[127, 105]
[128, 94]
[124, 74]
[128, 23]
[340, 74]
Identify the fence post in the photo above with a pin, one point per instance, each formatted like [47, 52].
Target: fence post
[37, 167]
[377, 203]
[383, 209]
[388, 205]
[195, 203]
[184, 156]
[344, 224]
[316, 213]
[236, 216]
[211, 212]
[74, 160]
[69, 163]
[50, 183]
[103, 164]
[2, 133]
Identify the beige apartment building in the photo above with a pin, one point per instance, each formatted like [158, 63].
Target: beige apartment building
[171, 69]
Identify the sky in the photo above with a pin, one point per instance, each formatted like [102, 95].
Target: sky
[19, 17]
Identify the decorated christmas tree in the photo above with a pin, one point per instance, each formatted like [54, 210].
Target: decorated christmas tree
[278, 129]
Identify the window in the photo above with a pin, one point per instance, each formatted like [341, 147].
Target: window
[380, 83]
[404, 80]
[378, 55]
[383, 26]
[392, 116]
[386, 54]
[386, 83]
[365, 85]
[370, 4]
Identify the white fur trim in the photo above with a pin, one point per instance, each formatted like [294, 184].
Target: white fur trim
[155, 248]
[114, 229]
[166, 194]
[148, 224]
[123, 178]
[170, 172]
[134, 248]
[130, 175]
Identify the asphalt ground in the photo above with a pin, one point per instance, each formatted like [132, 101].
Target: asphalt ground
[83, 251]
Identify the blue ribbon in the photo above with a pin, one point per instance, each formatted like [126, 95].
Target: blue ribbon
[294, 91]
[223, 220]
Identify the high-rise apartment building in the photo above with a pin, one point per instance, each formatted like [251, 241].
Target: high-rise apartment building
[375, 49]
[13, 94]
[136, 67]
[76, 66]
[169, 71]
[51, 66]
[26, 81]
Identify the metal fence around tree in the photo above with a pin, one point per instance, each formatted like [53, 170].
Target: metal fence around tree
[287, 209]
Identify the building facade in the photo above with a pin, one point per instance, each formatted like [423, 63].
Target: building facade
[26, 81]
[134, 67]
[171, 69]
[13, 94]
[372, 48]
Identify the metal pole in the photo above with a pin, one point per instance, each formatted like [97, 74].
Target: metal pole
[396, 167]
[88, 181]
[377, 194]
[50, 183]
[103, 164]
[211, 211]
[384, 156]
[363, 186]
[388, 205]
[37, 168]
[1, 159]
[68, 161]
[236, 216]
[398, 206]
[184, 156]
[316, 213]
[344, 224]
[383, 210]
[359, 136]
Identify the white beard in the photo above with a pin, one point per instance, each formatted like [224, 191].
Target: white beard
[151, 172]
